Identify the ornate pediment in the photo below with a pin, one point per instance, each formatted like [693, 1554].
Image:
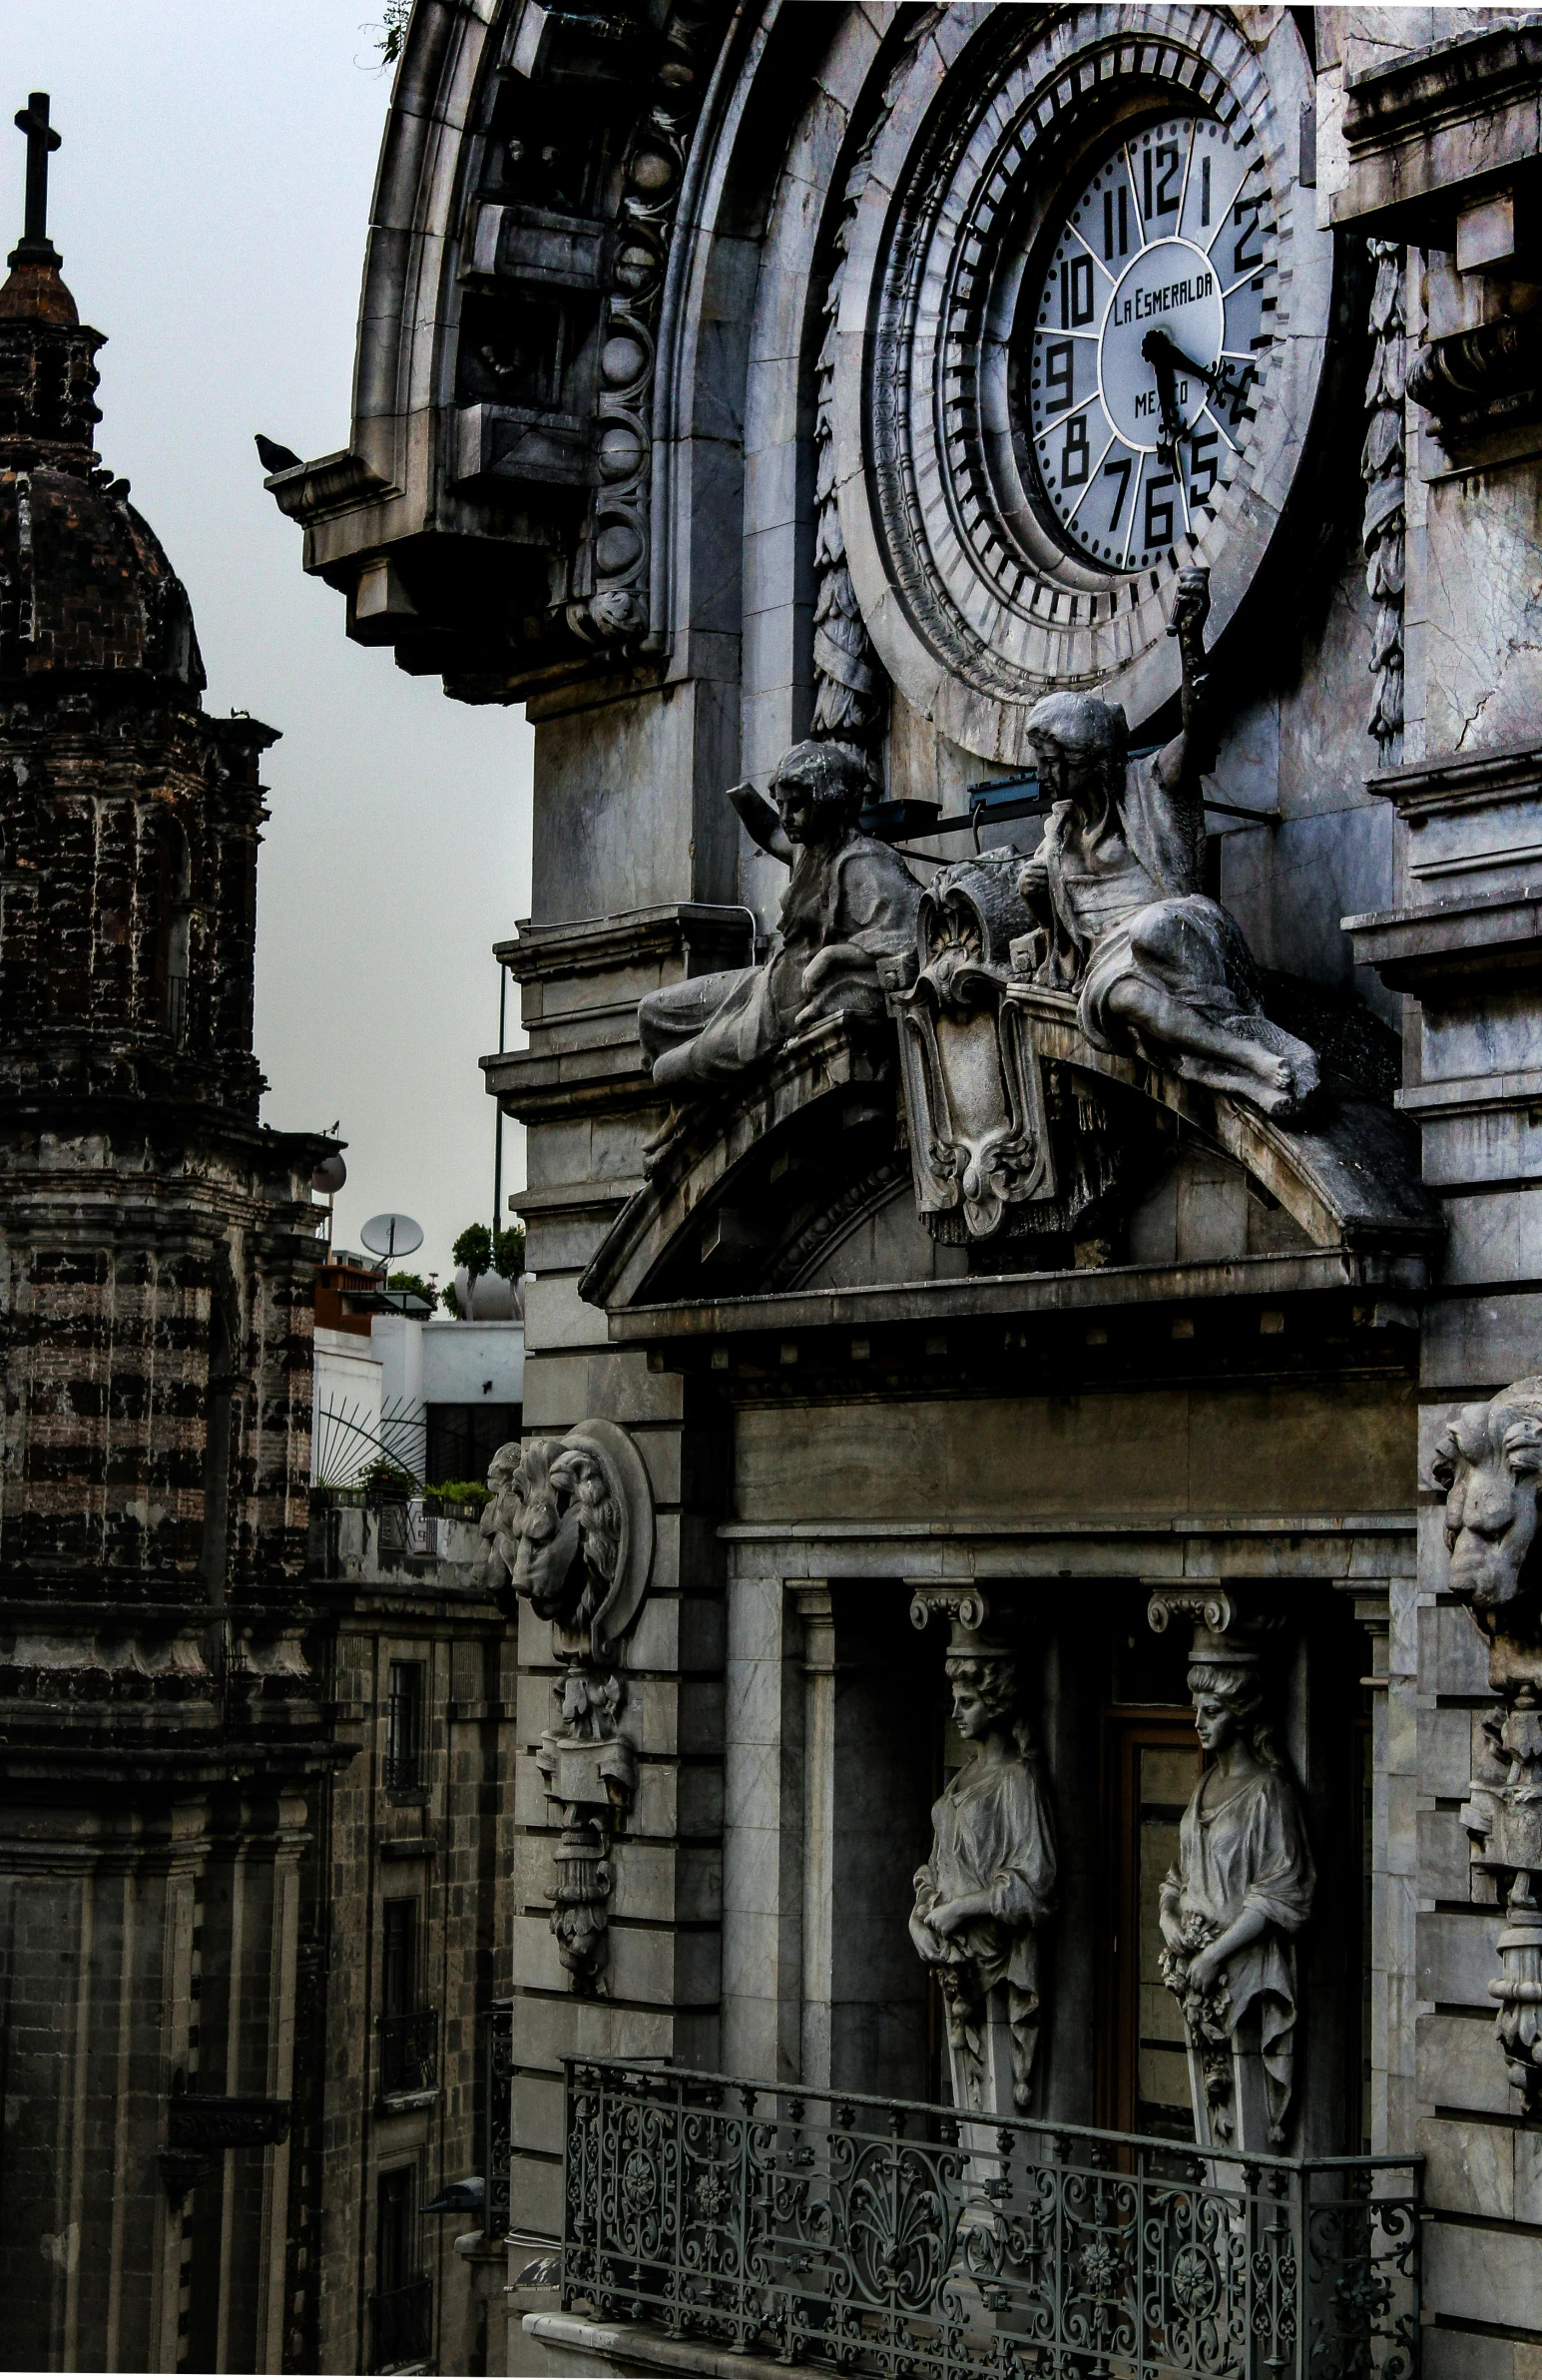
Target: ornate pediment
[757, 1183]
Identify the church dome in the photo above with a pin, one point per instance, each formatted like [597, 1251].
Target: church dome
[88, 598]
[86, 590]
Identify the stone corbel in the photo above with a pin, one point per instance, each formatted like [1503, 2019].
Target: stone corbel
[1488, 1465]
[570, 1528]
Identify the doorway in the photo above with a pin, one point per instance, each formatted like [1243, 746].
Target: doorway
[1153, 1767]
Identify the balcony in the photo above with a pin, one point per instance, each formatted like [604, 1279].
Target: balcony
[401, 2326]
[409, 2054]
[893, 2238]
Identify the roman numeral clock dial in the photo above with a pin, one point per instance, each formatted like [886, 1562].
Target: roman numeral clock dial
[1146, 327]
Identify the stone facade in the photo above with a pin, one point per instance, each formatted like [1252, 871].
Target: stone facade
[165, 1736]
[1130, 1269]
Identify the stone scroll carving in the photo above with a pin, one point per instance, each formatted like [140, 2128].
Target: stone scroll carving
[851, 904]
[1238, 1894]
[1002, 1141]
[979, 1138]
[1489, 1464]
[1159, 968]
[989, 1883]
[570, 1529]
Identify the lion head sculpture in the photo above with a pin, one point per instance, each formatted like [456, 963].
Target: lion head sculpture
[570, 1528]
[1489, 1464]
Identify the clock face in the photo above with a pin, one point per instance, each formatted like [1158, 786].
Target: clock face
[1139, 340]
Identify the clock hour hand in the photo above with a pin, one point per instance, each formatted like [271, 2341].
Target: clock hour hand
[1157, 347]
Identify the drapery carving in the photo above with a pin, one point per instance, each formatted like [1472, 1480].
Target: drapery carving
[851, 904]
[990, 1880]
[1488, 1463]
[1157, 966]
[570, 1529]
[1238, 1893]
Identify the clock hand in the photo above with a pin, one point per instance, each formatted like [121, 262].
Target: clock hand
[1161, 355]
[1158, 344]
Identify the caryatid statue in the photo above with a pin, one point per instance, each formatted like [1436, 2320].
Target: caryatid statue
[988, 1885]
[851, 902]
[1233, 1906]
[1159, 968]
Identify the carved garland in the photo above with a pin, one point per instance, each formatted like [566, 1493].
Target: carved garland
[851, 688]
[1381, 468]
[616, 606]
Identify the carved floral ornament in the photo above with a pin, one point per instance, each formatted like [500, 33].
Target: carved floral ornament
[1040, 188]
[570, 1531]
[1490, 1466]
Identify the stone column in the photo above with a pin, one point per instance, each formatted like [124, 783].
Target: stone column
[815, 1610]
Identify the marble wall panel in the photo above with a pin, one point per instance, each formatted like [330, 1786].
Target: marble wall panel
[1180, 1450]
[1477, 1344]
[1484, 624]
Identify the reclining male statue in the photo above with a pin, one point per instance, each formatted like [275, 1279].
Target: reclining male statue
[1159, 968]
[851, 902]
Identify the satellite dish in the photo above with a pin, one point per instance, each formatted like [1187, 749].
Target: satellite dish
[330, 1175]
[392, 1235]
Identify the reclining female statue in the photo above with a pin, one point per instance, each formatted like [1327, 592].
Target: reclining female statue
[1159, 968]
[851, 902]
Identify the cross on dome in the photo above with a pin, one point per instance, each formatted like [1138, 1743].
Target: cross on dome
[42, 140]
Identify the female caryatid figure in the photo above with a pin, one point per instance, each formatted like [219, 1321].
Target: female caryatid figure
[990, 1880]
[1231, 1909]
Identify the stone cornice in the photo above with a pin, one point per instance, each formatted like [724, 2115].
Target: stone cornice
[1460, 780]
[1437, 125]
[1027, 1293]
[543, 953]
[1423, 949]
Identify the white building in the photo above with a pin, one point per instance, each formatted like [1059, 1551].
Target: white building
[438, 1397]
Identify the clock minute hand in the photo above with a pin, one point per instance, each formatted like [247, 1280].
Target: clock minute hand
[1160, 352]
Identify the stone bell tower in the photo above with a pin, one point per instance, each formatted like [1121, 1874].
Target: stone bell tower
[160, 1735]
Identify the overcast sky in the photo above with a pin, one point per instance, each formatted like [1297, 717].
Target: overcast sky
[210, 202]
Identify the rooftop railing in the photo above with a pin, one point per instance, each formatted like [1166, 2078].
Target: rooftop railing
[890, 2237]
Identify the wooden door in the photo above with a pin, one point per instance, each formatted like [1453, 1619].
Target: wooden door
[1152, 1767]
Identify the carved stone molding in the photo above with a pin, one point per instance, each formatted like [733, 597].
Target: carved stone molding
[974, 606]
[1382, 465]
[979, 1133]
[570, 1529]
[964, 1607]
[1488, 1463]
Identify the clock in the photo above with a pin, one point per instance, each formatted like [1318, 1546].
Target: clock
[1082, 320]
[1149, 315]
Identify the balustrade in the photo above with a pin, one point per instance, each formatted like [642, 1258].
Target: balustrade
[891, 2238]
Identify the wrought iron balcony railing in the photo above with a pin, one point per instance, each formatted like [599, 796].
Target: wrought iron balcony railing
[410, 2053]
[898, 2239]
[401, 2325]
